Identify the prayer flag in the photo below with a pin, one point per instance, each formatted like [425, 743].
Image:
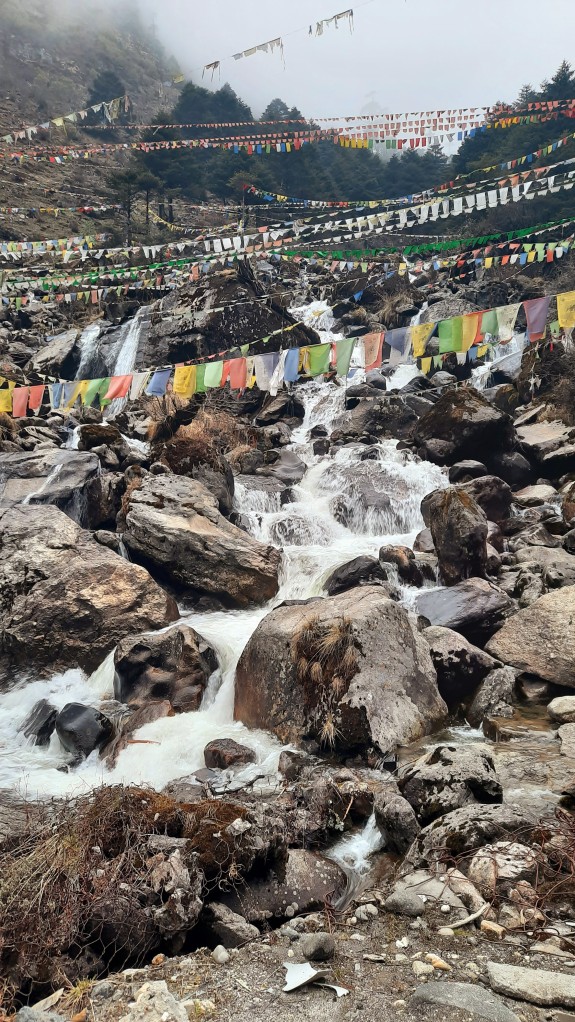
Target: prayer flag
[119, 387]
[373, 347]
[36, 398]
[536, 311]
[420, 335]
[185, 381]
[213, 374]
[344, 351]
[158, 383]
[566, 310]
[20, 402]
[319, 358]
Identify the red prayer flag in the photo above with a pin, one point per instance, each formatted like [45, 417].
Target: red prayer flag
[20, 402]
[119, 387]
[35, 398]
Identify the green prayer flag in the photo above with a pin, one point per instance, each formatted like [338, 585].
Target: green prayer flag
[319, 359]
[490, 323]
[200, 385]
[213, 374]
[92, 391]
[344, 351]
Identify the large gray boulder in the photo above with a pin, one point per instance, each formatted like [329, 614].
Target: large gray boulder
[53, 476]
[174, 665]
[67, 600]
[448, 778]
[460, 666]
[468, 829]
[475, 608]
[173, 524]
[459, 529]
[352, 670]
[540, 639]
[494, 697]
[53, 357]
[462, 424]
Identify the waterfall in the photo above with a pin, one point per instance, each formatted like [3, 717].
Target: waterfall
[126, 351]
[88, 345]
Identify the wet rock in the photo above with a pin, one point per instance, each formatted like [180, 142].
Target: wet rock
[448, 778]
[291, 764]
[501, 863]
[533, 496]
[173, 523]
[555, 566]
[263, 485]
[386, 690]
[460, 666]
[494, 697]
[58, 477]
[404, 903]
[40, 723]
[562, 710]
[81, 729]
[66, 600]
[224, 753]
[404, 560]
[388, 418]
[511, 466]
[537, 986]
[468, 829]
[464, 423]
[96, 434]
[475, 608]
[459, 530]
[569, 542]
[474, 1001]
[362, 570]
[174, 665]
[532, 536]
[103, 501]
[540, 640]
[465, 471]
[229, 928]
[493, 495]
[317, 947]
[283, 406]
[309, 879]
[424, 542]
[289, 469]
[396, 820]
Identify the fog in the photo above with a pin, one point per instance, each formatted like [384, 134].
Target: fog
[402, 55]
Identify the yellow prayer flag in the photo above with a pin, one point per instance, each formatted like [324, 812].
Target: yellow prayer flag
[488, 262]
[426, 365]
[482, 350]
[5, 400]
[566, 310]
[420, 335]
[531, 256]
[469, 330]
[185, 381]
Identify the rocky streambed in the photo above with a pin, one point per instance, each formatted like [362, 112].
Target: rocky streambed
[269, 645]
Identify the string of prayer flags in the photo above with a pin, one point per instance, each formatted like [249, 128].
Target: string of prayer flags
[269, 47]
[110, 109]
[335, 20]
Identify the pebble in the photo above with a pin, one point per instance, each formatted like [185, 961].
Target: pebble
[446, 931]
[401, 958]
[438, 963]
[220, 955]
[365, 912]
[317, 947]
[399, 1004]
[446, 909]
[422, 969]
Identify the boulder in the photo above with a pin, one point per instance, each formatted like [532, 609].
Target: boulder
[562, 710]
[67, 600]
[448, 778]
[568, 503]
[224, 753]
[288, 468]
[174, 665]
[540, 639]
[465, 471]
[403, 559]
[283, 406]
[533, 496]
[475, 608]
[423, 543]
[81, 729]
[493, 495]
[460, 666]
[501, 864]
[54, 355]
[362, 570]
[173, 523]
[306, 883]
[468, 829]
[459, 530]
[103, 501]
[512, 466]
[54, 476]
[465, 424]
[555, 566]
[494, 697]
[97, 434]
[351, 670]
[40, 723]
[395, 819]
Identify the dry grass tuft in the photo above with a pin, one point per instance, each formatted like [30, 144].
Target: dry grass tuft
[205, 441]
[326, 661]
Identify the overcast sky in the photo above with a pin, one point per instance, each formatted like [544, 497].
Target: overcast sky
[402, 55]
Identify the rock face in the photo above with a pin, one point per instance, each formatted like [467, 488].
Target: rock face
[173, 523]
[53, 476]
[448, 778]
[67, 600]
[474, 607]
[461, 425]
[350, 670]
[540, 640]
[173, 665]
[459, 530]
[53, 357]
[460, 666]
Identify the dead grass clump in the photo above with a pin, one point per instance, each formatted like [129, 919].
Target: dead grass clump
[326, 661]
[134, 484]
[7, 426]
[205, 441]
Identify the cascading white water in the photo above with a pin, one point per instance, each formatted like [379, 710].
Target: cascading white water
[88, 346]
[126, 352]
[313, 544]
